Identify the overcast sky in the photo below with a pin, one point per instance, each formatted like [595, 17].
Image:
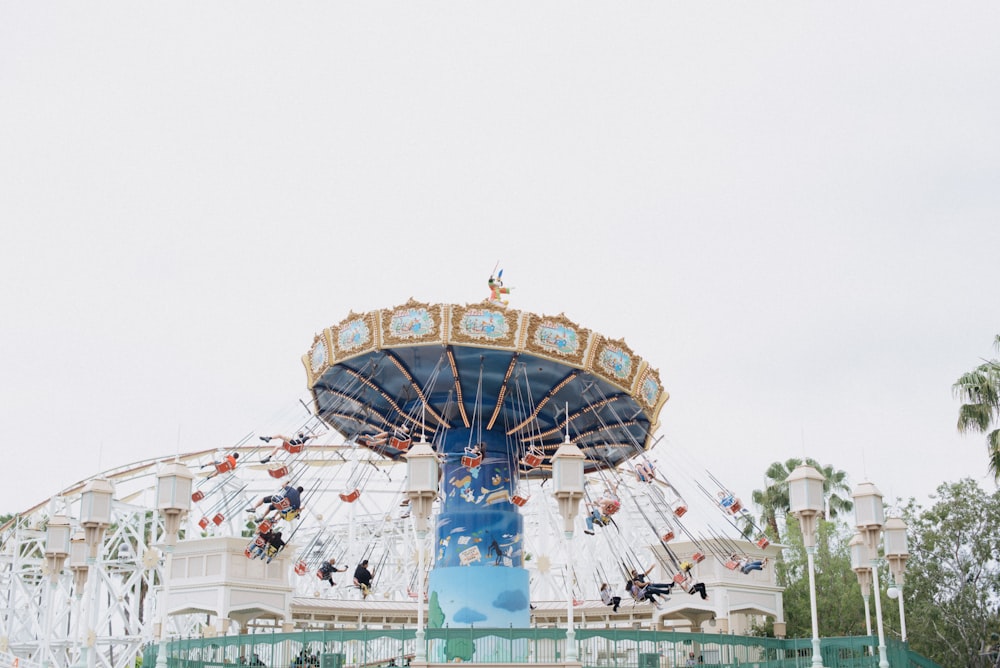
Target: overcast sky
[789, 209]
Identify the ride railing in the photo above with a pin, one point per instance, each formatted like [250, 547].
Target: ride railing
[596, 648]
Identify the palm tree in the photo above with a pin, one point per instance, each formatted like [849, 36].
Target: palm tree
[773, 499]
[836, 491]
[774, 502]
[980, 390]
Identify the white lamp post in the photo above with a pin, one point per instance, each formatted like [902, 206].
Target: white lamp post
[897, 553]
[173, 500]
[568, 483]
[422, 473]
[78, 564]
[57, 544]
[805, 496]
[861, 565]
[869, 516]
[95, 518]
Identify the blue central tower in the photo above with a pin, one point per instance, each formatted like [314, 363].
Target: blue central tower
[478, 577]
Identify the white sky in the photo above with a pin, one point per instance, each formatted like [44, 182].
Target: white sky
[789, 209]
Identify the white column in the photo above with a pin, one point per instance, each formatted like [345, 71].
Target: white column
[902, 615]
[161, 652]
[571, 655]
[420, 655]
[883, 662]
[817, 657]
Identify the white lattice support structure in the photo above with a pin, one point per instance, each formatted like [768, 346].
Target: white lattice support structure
[376, 526]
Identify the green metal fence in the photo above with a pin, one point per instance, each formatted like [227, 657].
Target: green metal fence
[596, 648]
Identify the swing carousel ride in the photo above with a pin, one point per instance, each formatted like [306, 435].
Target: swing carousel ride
[494, 391]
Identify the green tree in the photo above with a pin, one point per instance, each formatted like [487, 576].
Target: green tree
[952, 583]
[979, 389]
[839, 605]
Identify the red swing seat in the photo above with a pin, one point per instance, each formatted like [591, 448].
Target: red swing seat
[292, 448]
[679, 509]
[350, 497]
[763, 542]
[219, 517]
[667, 535]
[519, 500]
[203, 522]
[400, 442]
[532, 460]
[300, 568]
[732, 565]
[472, 461]
[697, 557]
[198, 496]
[265, 526]
[278, 471]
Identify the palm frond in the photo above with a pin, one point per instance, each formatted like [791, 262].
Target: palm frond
[974, 417]
[993, 442]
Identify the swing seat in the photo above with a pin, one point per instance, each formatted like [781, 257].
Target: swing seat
[732, 565]
[264, 526]
[667, 536]
[697, 557]
[281, 503]
[278, 471]
[735, 507]
[679, 578]
[290, 515]
[519, 499]
[400, 442]
[350, 497]
[610, 506]
[763, 542]
[218, 519]
[680, 509]
[225, 466]
[532, 460]
[203, 522]
[411, 593]
[198, 496]
[472, 461]
[300, 568]
[578, 601]
[248, 553]
[293, 449]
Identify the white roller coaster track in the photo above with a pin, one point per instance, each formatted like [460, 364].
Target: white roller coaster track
[40, 613]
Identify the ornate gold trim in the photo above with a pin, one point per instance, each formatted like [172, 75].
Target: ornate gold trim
[412, 323]
[485, 325]
[556, 337]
